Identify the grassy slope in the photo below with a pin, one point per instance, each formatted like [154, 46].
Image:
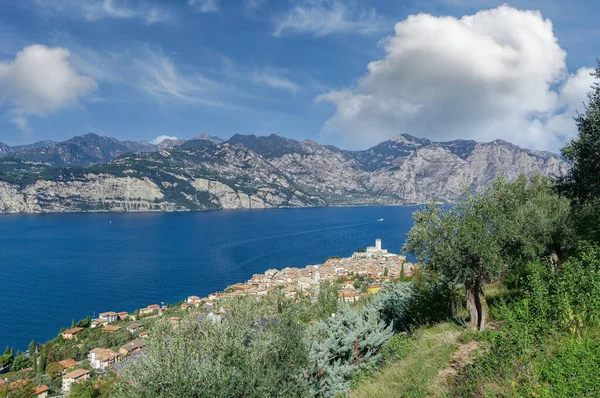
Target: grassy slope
[416, 374]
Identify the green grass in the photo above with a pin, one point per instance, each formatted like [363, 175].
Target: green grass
[415, 370]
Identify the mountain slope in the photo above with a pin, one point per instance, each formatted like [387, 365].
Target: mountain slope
[256, 172]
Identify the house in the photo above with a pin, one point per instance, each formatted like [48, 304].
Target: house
[75, 376]
[144, 334]
[98, 322]
[67, 364]
[109, 316]
[110, 328]
[71, 334]
[123, 316]
[102, 358]
[193, 299]
[134, 327]
[41, 391]
[151, 309]
[131, 347]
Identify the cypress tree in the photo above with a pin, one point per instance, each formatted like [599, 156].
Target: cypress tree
[41, 367]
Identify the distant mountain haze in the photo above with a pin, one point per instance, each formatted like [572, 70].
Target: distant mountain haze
[94, 173]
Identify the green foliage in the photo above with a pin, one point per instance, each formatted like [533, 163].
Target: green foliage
[6, 359]
[481, 238]
[54, 369]
[327, 302]
[84, 389]
[547, 344]
[433, 299]
[342, 345]
[393, 303]
[250, 353]
[582, 183]
[23, 391]
[41, 366]
[21, 362]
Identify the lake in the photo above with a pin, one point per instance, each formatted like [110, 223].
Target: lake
[56, 267]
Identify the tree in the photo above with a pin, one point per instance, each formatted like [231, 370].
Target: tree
[481, 237]
[41, 366]
[342, 345]
[32, 348]
[24, 390]
[21, 362]
[582, 183]
[84, 389]
[54, 369]
[73, 323]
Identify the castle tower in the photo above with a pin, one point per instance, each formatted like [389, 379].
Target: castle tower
[378, 244]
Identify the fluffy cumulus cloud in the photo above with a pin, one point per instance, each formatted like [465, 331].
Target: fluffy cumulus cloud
[325, 17]
[205, 6]
[485, 76]
[40, 81]
[161, 138]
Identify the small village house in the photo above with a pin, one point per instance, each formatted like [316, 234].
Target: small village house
[134, 327]
[67, 365]
[75, 376]
[102, 358]
[109, 316]
[71, 334]
[41, 391]
[131, 347]
[110, 329]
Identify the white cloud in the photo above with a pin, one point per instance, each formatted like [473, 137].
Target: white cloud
[254, 4]
[484, 76]
[40, 81]
[161, 138]
[158, 76]
[324, 17]
[93, 10]
[274, 79]
[205, 6]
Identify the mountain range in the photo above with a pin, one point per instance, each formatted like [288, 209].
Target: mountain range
[95, 173]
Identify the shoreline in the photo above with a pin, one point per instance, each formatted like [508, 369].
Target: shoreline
[3, 214]
[295, 280]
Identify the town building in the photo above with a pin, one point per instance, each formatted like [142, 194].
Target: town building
[109, 316]
[75, 376]
[71, 334]
[134, 327]
[102, 358]
[131, 347]
[67, 365]
[41, 391]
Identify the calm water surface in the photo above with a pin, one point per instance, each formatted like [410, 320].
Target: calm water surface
[56, 267]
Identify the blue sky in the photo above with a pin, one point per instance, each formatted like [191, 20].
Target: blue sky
[334, 71]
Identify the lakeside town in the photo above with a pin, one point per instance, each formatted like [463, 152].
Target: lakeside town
[98, 348]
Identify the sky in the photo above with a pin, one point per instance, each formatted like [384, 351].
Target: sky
[343, 72]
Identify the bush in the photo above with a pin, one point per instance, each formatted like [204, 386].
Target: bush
[547, 342]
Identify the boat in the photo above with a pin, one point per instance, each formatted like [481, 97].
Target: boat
[381, 219]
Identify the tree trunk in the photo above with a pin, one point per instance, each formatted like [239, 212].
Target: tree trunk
[476, 305]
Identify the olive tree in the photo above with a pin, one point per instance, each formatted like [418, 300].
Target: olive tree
[480, 238]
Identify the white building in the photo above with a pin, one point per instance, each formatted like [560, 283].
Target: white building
[373, 251]
[75, 376]
[109, 316]
[102, 358]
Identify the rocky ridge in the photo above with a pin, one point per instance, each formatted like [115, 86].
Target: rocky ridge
[261, 172]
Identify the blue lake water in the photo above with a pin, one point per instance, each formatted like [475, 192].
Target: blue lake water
[56, 267]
